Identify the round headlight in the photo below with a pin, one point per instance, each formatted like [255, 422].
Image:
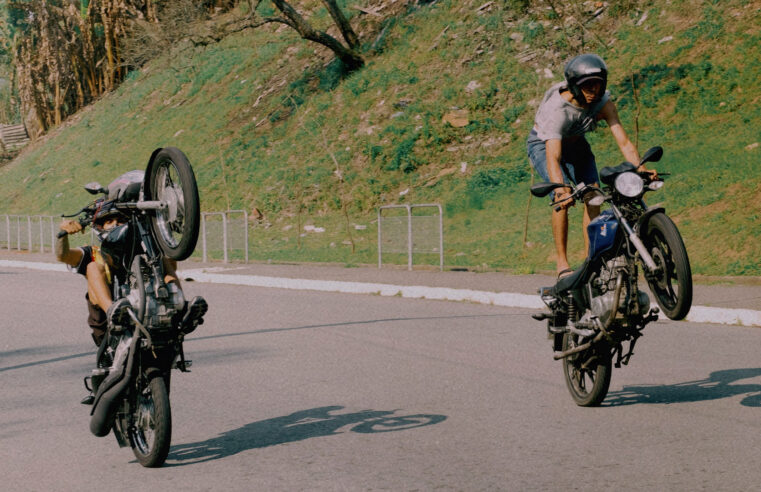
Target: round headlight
[629, 184]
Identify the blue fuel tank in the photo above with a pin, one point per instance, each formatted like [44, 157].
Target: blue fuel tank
[602, 232]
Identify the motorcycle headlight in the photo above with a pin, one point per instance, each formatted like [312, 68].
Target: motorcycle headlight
[629, 184]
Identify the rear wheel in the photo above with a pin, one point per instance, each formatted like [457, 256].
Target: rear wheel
[171, 180]
[151, 433]
[672, 283]
[587, 374]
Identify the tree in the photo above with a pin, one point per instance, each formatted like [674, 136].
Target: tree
[349, 53]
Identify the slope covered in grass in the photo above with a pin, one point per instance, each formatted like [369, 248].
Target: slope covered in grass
[270, 123]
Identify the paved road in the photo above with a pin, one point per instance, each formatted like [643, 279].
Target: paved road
[298, 390]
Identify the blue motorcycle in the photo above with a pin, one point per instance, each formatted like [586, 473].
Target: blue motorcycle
[600, 306]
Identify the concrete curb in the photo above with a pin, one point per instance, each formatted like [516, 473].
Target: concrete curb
[698, 314]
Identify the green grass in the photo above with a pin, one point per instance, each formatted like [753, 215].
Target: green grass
[264, 119]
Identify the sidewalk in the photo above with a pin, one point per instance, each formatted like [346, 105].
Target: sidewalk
[726, 301]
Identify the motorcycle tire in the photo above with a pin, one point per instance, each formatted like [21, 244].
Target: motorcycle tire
[673, 285]
[171, 179]
[151, 434]
[588, 385]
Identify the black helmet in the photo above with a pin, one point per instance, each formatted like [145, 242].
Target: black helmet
[583, 68]
[115, 244]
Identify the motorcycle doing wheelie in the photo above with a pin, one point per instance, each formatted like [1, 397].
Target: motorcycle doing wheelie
[132, 378]
[599, 307]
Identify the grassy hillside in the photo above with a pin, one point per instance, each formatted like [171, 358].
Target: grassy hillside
[270, 123]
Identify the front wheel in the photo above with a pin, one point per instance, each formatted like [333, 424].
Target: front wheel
[171, 180]
[587, 374]
[151, 432]
[672, 283]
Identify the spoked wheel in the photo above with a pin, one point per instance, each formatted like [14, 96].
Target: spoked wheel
[587, 374]
[672, 285]
[171, 180]
[152, 431]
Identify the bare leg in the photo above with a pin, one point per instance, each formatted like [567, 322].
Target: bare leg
[590, 212]
[97, 288]
[560, 233]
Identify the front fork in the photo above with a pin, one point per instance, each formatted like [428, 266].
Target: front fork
[647, 259]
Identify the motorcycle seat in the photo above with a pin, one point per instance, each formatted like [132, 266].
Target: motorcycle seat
[570, 281]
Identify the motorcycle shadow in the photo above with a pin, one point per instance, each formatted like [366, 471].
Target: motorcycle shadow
[298, 426]
[719, 384]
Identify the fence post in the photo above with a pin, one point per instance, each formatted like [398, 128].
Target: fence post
[203, 235]
[29, 231]
[224, 235]
[52, 233]
[18, 232]
[409, 237]
[8, 230]
[42, 237]
[379, 237]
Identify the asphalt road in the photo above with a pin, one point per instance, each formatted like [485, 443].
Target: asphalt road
[297, 390]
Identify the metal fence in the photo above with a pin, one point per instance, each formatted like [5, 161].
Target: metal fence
[409, 233]
[224, 233]
[34, 233]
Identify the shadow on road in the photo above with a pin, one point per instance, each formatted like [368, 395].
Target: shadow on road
[298, 426]
[718, 385]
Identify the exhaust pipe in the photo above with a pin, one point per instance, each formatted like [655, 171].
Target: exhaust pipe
[104, 407]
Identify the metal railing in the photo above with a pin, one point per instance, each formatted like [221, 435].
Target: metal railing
[226, 234]
[223, 230]
[409, 234]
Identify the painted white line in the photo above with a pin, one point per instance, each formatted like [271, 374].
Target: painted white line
[698, 314]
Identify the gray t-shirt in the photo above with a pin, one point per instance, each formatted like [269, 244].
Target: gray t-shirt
[558, 118]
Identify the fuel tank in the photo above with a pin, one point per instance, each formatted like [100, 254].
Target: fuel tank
[602, 231]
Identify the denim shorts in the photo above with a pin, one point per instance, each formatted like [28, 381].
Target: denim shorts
[577, 162]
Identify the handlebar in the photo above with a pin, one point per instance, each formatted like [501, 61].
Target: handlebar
[84, 222]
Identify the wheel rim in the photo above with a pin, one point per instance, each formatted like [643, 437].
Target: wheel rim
[144, 434]
[581, 378]
[168, 188]
[666, 285]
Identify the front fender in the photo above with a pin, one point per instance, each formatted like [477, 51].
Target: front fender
[645, 217]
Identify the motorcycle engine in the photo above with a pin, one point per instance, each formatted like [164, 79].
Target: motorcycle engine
[159, 313]
[602, 305]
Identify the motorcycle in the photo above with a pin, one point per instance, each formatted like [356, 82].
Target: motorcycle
[599, 307]
[131, 380]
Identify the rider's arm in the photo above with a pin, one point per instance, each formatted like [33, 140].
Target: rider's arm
[609, 113]
[63, 253]
[554, 148]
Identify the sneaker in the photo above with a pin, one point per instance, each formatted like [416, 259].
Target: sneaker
[194, 311]
[117, 314]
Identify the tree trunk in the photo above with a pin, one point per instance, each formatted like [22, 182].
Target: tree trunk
[348, 56]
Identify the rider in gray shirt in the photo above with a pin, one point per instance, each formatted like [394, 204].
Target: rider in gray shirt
[557, 148]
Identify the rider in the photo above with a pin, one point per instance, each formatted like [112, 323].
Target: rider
[558, 150]
[88, 261]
